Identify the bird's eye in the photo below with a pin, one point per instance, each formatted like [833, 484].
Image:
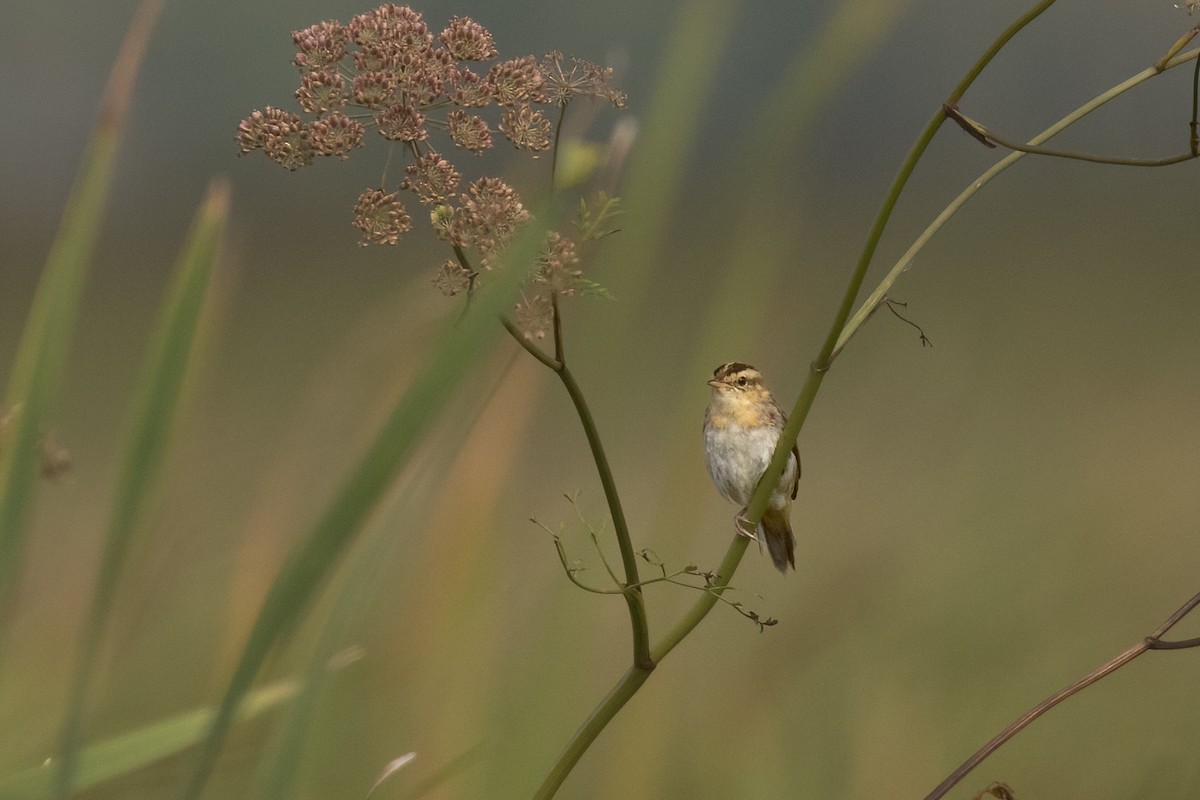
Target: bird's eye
[741, 381]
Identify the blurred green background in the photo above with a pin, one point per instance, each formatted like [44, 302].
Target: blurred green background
[979, 523]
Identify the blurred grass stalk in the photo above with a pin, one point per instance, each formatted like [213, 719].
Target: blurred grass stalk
[41, 355]
[164, 378]
[431, 476]
[698, 39]
[458, 347]
[129, 752]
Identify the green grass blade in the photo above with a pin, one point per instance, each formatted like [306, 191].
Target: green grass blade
[131, 751]
[279, 772]
[692, 55]
[41, 354]
[164, 377]
[460, 345]
[356, 589]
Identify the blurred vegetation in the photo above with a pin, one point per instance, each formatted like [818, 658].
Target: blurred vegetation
[978, 524]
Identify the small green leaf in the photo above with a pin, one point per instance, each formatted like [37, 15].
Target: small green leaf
[592, 217]
[593, 289]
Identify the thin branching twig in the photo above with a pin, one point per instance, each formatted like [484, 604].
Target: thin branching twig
[1152, 642]
[990, 138]
[631, 587]
[880, 293]
[677, 577]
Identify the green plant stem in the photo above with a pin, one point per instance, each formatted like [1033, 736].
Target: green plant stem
[631, 591]
[628, 685]
[821, 364]
[885, 213]
[562, 113]
[612, 703]
[1174, 49]
[1194, 125]
[706, 601]
[879, 294]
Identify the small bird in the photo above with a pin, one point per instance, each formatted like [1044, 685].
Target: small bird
[741, 428]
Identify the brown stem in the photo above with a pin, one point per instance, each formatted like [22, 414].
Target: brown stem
[990, 138]
[1151, 642]
[558, 338]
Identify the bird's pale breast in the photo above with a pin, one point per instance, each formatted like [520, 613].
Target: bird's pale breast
[737, 456]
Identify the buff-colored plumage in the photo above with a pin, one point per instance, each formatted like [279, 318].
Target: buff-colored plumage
[741, 428]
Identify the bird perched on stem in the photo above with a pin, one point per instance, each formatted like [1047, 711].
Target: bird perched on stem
[741, 428]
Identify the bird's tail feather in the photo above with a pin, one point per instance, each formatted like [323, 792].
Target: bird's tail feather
[776, 532]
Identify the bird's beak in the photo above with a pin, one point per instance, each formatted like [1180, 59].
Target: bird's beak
[716, 384]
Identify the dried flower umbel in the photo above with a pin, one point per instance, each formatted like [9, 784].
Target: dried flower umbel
[381, 217]
[424, 91]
